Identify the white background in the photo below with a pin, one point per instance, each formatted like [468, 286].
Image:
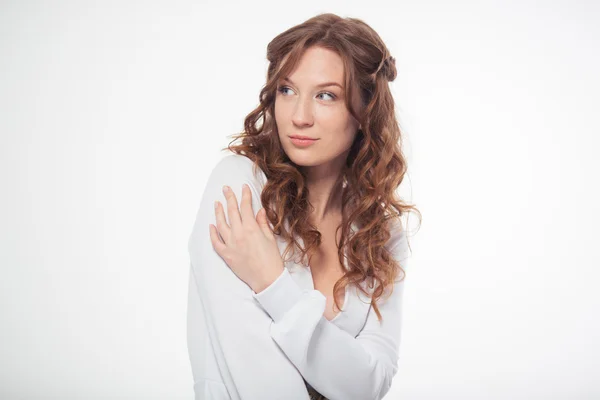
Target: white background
[112, 115]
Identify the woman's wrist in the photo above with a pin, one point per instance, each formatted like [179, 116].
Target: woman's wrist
[267, 280]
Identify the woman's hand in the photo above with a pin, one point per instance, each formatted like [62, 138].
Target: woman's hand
[247, 246]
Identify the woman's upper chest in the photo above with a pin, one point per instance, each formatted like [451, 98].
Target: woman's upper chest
[324, 270]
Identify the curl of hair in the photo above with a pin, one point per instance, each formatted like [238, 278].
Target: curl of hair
[375, 165]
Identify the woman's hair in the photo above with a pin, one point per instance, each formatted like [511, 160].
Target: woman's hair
[375, 165]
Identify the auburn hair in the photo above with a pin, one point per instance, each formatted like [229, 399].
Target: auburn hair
[375, 165]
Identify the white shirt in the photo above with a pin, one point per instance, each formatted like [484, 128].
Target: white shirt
[244, 345]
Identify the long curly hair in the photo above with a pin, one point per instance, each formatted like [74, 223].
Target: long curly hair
[374, 168]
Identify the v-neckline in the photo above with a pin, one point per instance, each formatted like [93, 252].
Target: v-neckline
[346, 289]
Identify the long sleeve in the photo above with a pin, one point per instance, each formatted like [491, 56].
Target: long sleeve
[250, 364]
[336, 364]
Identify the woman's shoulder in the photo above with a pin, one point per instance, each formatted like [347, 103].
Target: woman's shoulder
[240, 168]
[398, 242]
[233, 162]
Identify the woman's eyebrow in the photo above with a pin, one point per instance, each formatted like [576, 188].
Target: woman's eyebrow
[319, 85]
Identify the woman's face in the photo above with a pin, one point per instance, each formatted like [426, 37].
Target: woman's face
[310, 102]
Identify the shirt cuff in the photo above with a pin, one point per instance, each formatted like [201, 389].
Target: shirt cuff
[279, 296]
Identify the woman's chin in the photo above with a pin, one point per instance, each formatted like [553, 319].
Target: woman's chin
[303, 158]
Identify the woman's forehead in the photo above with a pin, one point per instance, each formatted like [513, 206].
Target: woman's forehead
[318, 62]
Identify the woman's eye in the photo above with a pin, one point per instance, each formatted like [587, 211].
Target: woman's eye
[328, 94]
[282, 89]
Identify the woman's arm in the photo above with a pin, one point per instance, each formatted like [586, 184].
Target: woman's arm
[336, 364]
[250, 363]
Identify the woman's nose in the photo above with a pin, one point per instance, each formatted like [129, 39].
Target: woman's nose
[303, 114]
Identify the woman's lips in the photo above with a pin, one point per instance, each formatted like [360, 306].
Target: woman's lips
[303, 142]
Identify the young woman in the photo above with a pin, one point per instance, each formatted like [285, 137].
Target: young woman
[319, 161]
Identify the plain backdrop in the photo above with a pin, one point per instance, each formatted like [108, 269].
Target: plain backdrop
[113, 113]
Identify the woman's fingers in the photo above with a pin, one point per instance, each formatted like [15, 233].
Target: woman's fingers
[263, 222]
[235, 220]
[216, 241]
[221, 223]
[246, 206]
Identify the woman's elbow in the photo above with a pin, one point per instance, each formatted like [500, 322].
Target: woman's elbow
[386, 372]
